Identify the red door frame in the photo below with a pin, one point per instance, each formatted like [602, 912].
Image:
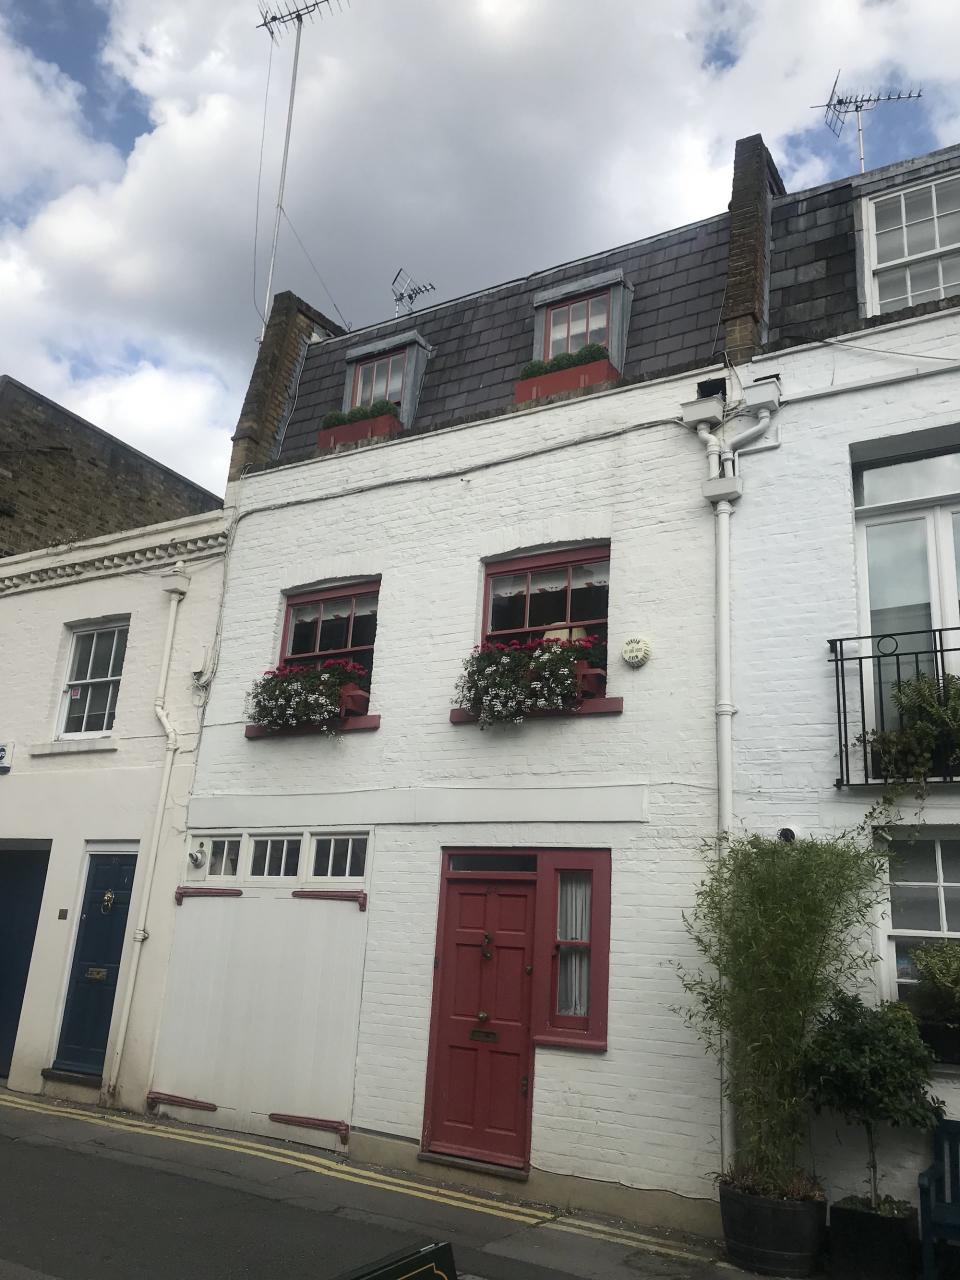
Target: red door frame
[472, 877]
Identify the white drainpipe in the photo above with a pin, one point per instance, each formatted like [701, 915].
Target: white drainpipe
[722, 489]
[176, 586]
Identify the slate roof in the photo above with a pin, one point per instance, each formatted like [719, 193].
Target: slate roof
[480, 342]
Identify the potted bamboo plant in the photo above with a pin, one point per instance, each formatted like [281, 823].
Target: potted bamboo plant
[870, 1066]
[773, 923]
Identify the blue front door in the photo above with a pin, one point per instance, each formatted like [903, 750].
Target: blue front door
[22, 876]
[96, 963]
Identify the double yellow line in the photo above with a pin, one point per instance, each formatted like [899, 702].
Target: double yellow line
[364, 1177]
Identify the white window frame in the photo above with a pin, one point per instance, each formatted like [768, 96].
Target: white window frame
[351, 881]
[77, 632]
[208, 843]
[872, 267]
[304, 877]
[893, 981]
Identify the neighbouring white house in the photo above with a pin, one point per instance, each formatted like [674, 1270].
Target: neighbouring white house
[107, 645]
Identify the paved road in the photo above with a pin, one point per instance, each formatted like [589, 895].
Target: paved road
[88, 1195]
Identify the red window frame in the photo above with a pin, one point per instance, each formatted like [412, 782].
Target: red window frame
[557, 307]
[548, 1027]
[355, 653]
[530, 565]
[387, 358]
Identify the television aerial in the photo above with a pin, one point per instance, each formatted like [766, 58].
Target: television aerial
[406, 291]
[840, 105]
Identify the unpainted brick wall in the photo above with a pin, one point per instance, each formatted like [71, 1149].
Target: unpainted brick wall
[62, 480]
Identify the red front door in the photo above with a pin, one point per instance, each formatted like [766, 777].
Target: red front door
[478, 1102]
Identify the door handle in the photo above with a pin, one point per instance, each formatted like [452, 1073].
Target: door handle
[524, 1085]
[482, 1017]
[106, 905]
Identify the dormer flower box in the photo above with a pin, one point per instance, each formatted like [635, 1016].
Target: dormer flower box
[376, 421]
[589, 367]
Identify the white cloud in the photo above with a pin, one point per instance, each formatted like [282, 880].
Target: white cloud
[468, 142]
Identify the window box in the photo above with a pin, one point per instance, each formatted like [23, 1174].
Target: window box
[381, 427]
[578, 378]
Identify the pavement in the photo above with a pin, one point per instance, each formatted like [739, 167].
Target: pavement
[87, 1194]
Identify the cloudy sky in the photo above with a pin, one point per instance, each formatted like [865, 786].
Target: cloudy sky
[469, 141]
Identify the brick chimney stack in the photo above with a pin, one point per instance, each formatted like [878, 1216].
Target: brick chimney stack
[745, 309]
[273, 384]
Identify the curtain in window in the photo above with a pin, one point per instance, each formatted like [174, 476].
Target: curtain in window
[573, 925]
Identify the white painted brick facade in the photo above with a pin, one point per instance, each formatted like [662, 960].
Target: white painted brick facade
[795, 586]
[73, 799]
[424, 513]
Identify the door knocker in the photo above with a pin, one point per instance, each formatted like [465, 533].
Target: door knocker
[106, 906]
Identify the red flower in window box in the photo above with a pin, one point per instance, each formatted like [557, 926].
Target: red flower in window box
[295, 696]
[589, 367]
[508, 682]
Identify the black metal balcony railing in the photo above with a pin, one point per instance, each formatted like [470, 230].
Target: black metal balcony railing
[867, 672]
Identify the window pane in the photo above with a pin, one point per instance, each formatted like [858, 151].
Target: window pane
[913, 860]
[558, 330]
[898, 578]
[887, 213]
[948, 228]
[380, 379]
[894, 304]
[892, 284]
[259, 864]
[304, 634]
[927, 295]
[599, 319]
[81, 659]
[321, 856]
[905, 965]
[119, 652]
[341, 850]
[216, 858]
[493, 862]
[358, 855]
[950, 270]
[578, 325]
[395, 384]
[508, 598]
[548, 597]
[102, 654]
[364, 620]
[97, 708]
[925, 275]
[920, 237]
[917, 908]
[573, 982]
[232, 858]
[334, 624]
[291, 862]
[951, 902]
[948, 195]
[919, 478]
[588, 597]
[918, 204]
[365, 384]
[889, 245]
[112, 703]
[76, 708]
[573, 906]
[275, 858]
[950, 861]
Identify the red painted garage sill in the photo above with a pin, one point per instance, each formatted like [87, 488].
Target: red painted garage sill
[339, 1127]
[578, 378]
[589, 707]
[350, 724]
[388, 424]
[333, 895]
[154, 1100]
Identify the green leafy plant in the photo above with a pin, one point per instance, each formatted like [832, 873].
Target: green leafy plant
[936, 996]
[297, 695]
[592, 352]
[501, 683]
[926, 743]
[870, 1066]
[778, 925]
[360, 414]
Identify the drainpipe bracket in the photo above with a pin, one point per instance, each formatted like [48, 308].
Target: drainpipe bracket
[723, 489]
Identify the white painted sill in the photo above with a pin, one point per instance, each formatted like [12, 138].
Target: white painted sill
[68, 747]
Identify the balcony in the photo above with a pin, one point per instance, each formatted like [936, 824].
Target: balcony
[898, 707]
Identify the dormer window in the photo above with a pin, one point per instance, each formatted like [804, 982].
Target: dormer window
[910, 234]
[573, 325]
[379, 379]
[581, 312]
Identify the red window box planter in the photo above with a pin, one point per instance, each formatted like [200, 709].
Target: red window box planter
[581, 376]
[366, 429]
[354, 702]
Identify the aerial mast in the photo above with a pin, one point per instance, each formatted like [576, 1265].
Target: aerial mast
[274, 19]
[840, 105]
